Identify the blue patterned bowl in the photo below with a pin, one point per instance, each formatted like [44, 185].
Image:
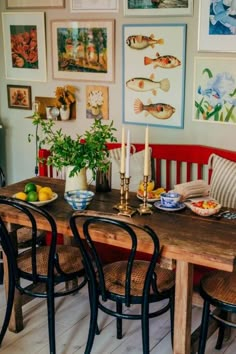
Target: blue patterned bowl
[170, 199]
[79, 199]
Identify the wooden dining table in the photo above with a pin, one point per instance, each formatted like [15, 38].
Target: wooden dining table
[185, 237]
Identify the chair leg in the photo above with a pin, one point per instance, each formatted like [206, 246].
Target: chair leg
[51, 320]
[204, 327]
[10, 300]
[221, 333]
[172, 312]
[145, 327]
[119, 321]
[93, 327]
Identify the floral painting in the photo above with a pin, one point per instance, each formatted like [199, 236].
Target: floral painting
[19, 96]
[215, 90]
[97, 102]
[153, 87]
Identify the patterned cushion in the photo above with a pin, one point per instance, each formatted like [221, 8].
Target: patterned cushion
[223, 181]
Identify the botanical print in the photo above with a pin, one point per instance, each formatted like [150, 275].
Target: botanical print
[222, 17]
[19, 97]
[24, 46]
[215, 91]
[154, 86]
[97, 102]
[153, 4]
[82, 49]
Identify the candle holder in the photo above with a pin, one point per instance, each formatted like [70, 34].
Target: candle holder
[126, 210]
[144, 208]
[121, 205]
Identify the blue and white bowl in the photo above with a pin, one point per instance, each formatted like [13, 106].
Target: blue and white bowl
[170, 199]
[79, 199]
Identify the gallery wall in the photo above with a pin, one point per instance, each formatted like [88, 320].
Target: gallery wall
[19, 155]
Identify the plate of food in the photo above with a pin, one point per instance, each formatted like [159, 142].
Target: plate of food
[152, 196]
[204, 207]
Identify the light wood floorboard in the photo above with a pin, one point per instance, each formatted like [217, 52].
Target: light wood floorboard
[72, 320]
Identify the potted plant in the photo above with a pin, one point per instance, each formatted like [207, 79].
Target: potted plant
[87, 151]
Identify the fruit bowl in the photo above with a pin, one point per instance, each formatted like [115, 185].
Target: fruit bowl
[79, 199]
[41, 203]
[205, 207]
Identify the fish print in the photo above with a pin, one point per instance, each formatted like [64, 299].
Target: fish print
[142, 42]
[223, 16]
[157, 110]
[165, 61]
[141, 84]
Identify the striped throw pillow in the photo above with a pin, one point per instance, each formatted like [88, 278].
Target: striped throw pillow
[223, 181]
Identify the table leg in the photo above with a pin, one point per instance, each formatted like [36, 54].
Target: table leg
[183, 308]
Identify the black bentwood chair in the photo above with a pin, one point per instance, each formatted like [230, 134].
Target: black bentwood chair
[46, 265]
[126, 282]
[217, 289]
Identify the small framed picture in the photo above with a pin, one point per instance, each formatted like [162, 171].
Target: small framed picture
[19, 97]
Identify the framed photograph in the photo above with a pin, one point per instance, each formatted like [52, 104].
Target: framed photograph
[217, 26]
[214, 90]
[19, 97]
[94, 6]
[97, 102]
[24, 62]
[154, 88]
[30, 4]
[158, 8]
[83, 50]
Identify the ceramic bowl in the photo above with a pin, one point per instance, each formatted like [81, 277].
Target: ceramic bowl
[79, 199]
[170, 199]
[204, 211]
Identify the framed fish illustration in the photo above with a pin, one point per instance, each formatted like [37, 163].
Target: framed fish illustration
[217, 26]
[153, 84]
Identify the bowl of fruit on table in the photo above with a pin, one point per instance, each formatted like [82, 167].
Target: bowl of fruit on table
[152, 194]
[37, 195]
[204, 207]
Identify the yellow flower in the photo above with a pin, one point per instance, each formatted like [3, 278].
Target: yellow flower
[65, 95]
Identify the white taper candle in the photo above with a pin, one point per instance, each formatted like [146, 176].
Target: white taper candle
[127, 155]
[122, 159]
[146, 153]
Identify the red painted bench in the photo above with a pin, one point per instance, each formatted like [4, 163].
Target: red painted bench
[172, 164]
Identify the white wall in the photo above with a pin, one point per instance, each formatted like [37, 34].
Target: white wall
[20, 159]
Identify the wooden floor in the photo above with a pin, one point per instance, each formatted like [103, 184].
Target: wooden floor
[72, 318]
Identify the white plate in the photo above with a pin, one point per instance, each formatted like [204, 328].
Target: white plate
[54, 197]
[151, 200]
[179, 207]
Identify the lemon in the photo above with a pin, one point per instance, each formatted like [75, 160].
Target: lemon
[48, 190]
[21, 195]
[32, 196]
[29, 187]
[43, 196]
[38, 187]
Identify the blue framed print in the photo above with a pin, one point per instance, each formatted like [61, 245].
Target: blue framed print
[153, 83]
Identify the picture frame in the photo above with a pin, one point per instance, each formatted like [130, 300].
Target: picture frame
[19, 97]
[154, 88]
[216, 28]
[214, 90]
[152, 8]
[30, 4]
[20, 63]
[92, 6]
[97, 102]
[83, 50]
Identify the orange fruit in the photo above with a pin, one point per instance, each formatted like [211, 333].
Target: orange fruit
[21, 195]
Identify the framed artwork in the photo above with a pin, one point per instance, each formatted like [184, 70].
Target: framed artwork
[24, 62]
[97, 102]
[154, 88]
[83, 50]
[158, 8]
[215, 90]
[19, 97]
[94, 6]
[217, 26]
[29, 4]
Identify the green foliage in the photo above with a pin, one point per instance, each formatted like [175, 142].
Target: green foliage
[88, 150]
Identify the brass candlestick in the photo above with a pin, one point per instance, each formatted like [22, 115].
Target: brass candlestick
[121, 205]
[144, 208]
[127, 210]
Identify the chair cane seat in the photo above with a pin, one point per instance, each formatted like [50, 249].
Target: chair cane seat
[115, 276]
[221, 286]
[69, 259]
